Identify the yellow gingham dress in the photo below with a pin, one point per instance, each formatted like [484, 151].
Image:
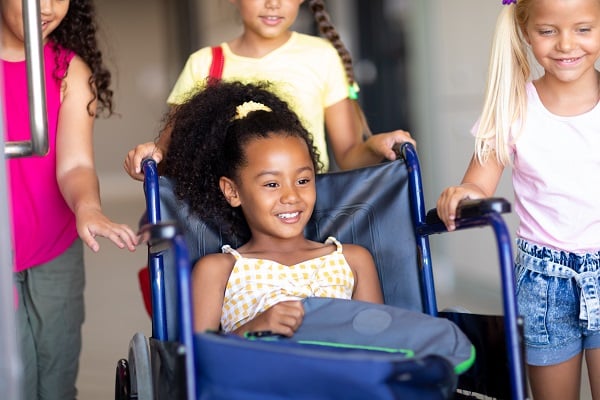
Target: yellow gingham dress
[256, 284]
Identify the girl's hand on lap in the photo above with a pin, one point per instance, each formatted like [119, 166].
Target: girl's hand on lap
[283, 318]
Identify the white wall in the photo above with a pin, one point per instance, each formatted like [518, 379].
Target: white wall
[450, 45]
[138, 49]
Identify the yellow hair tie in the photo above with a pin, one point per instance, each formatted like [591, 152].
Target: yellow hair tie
[246, 108]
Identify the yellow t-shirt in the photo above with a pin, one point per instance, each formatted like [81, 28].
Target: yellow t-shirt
[306, 72]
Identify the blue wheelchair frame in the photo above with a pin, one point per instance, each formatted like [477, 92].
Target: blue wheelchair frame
[470, 214]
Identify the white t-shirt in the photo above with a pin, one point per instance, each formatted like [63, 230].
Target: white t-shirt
[556, 178]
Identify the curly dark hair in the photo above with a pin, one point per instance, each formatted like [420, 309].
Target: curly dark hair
[207, 142]
[77, 32]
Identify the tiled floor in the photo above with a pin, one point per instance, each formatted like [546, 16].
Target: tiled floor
[114, 308]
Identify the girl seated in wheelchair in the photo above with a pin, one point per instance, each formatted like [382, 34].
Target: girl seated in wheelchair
[243, 162]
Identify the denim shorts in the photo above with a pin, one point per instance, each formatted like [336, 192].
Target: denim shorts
[558, 297]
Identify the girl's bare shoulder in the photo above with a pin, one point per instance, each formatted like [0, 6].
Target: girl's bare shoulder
[356, 253]
[215, 264]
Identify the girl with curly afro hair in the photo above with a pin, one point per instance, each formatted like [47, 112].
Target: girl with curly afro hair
[244, 163]
[208, 143]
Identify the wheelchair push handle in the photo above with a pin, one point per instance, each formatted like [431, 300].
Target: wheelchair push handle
[151, 189]
[149, 164]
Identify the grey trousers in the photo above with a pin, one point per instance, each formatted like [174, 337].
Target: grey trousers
[50, 313]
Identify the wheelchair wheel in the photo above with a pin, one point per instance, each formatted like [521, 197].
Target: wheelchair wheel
[122, 385]
[140, 371]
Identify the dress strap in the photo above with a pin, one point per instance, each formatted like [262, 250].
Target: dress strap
[332, 240]
[229, 250]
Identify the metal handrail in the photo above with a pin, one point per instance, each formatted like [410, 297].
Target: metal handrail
[11, 368]
[10, 365]
[38, 145]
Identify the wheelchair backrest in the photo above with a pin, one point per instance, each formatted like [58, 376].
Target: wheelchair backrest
[367, 206]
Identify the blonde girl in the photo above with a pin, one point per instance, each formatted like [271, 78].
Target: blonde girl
[548, 130]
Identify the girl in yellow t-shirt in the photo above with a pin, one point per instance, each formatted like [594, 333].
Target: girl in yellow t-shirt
[314, 75]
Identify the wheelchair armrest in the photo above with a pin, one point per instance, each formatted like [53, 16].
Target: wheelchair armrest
[472, 209]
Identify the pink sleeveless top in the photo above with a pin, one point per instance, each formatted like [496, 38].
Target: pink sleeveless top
[43, 226]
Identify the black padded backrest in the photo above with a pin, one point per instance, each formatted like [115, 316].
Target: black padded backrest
[370, 207]
[367, 206]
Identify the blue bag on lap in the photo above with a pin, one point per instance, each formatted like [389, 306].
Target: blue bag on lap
[358, 324]
[344, 349]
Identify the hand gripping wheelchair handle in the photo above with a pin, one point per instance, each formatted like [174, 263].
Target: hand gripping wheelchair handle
[472, 209]
[150, 169]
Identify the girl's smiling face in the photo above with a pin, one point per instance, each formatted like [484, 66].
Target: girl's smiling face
[565, 37]
[268, 19]
[52, 12]
[276, 187]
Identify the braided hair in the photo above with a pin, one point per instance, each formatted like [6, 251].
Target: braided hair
[328, 30]
[208, 142]
[77, 32]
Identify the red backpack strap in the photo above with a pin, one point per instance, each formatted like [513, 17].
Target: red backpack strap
[216, 66]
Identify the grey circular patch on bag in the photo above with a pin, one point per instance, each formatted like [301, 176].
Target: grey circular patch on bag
[371, 321]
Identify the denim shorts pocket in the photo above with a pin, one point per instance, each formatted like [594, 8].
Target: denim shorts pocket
[519, 271]
[532, 299]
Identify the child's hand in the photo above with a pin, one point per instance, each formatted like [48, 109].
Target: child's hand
[133, 161]
[384, 143]
[92, 223]
[282, 319]
[449, 199]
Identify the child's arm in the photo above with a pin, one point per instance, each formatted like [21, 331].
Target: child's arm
[366, 281]
[75, 171]
[209, 280]
[480, 181]
[345, 135]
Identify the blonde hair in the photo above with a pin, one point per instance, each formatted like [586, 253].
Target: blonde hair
[505, 100]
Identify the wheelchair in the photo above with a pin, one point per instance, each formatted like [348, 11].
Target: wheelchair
[379, 207]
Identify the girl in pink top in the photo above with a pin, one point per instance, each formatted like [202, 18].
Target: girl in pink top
[55, 198]
[548, 130]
